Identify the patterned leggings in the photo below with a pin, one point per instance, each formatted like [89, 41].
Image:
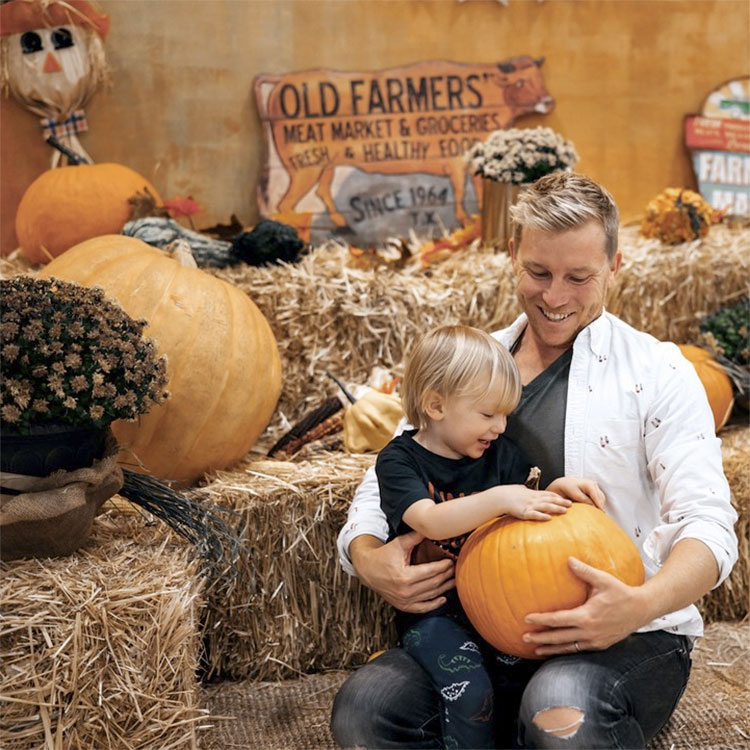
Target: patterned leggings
[448, 651]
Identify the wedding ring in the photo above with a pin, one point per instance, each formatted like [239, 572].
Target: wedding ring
[578, 648]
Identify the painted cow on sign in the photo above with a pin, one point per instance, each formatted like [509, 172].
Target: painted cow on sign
[417, 119]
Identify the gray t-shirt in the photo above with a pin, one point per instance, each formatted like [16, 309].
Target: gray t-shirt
[537, 425]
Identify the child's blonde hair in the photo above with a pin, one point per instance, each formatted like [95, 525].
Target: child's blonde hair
[458, 360]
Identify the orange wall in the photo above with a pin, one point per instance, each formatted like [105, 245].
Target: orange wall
[180, 108]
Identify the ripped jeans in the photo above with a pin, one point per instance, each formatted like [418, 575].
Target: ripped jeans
[621, 698]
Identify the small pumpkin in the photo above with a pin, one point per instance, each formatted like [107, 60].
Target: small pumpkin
[715, 380]
[370, 421]
[222, 361]
[508, 568]
[68, 205]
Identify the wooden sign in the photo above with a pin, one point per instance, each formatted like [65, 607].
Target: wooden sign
[367, 156]
[720, 144]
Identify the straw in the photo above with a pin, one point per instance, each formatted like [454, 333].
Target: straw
[100, 649]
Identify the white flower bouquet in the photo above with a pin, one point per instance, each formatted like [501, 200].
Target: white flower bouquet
[521, 155]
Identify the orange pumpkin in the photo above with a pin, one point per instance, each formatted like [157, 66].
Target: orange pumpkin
[222, 361]
[715, 380]
[509, 568]
[68, 205]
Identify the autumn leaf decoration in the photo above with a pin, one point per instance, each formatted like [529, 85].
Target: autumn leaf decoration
[179, 207]
[143, 204]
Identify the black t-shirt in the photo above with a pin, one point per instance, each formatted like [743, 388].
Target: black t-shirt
[407, 472]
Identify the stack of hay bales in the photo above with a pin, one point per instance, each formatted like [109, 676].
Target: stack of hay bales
[328, 313]
[101, 649]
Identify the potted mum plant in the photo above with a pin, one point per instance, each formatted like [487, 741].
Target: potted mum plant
[73, 362]
[506, 161]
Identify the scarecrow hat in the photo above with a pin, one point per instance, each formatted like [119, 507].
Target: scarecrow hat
[17, 16]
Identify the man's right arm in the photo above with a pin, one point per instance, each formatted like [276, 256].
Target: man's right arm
[387, 568]
[365, 516]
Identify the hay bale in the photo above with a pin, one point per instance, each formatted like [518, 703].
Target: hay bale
[731, 601]
[328, 313]
[303, 613]
[665, 290]
[294, 611]
[100, 649]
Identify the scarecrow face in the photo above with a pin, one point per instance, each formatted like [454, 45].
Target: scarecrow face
[50, 65]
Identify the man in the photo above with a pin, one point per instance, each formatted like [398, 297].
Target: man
[603, 401]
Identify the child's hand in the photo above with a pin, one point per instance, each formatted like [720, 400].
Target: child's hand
[534, 505]
[579, 490]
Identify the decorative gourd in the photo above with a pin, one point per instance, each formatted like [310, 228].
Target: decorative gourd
[222, 361]
[677, 215]
[715, 380]
[370, 421]
[509, 568]
[68, 205]
[160, 232]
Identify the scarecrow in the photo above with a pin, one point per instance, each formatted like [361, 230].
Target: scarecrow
[51, 61]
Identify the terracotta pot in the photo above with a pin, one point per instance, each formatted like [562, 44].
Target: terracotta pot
[497, 198]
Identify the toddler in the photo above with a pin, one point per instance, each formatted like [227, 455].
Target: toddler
[452, 473]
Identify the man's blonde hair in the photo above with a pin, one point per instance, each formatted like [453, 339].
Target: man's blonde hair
[458, 360]
[566, 200]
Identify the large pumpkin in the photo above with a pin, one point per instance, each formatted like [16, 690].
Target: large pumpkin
[68, 205]
[509, 568]
[222, 361]
[715, 380]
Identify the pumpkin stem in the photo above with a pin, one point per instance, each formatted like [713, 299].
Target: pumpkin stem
[181, 252]
[532, 481]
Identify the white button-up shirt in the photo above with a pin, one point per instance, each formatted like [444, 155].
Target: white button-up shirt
[638, 423]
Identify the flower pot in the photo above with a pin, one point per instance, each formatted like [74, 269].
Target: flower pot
[50, 447]
[497, 198]
[52, 484]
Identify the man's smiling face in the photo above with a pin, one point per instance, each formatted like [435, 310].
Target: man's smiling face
[562, 281]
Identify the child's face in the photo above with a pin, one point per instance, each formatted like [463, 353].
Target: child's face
[466, 425]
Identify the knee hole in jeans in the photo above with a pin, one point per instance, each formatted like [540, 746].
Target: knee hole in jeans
[562, 721]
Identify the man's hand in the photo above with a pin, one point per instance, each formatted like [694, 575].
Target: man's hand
[612, 612]
[387, 570]
[579, 490]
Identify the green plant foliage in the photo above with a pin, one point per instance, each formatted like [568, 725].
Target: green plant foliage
[730, 328]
